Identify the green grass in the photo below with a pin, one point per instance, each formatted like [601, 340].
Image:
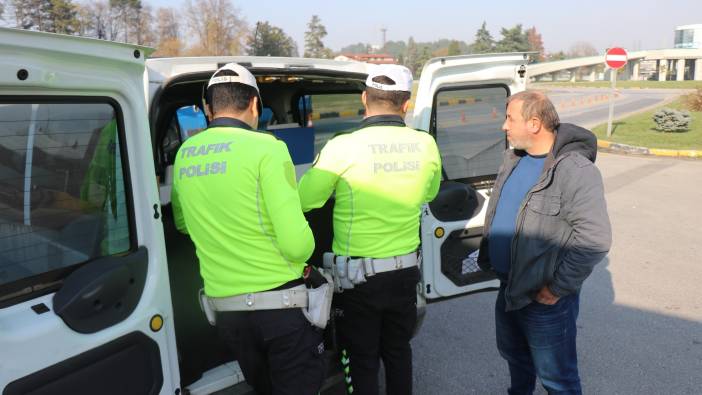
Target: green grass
[622, 84]
[638, 130]
[344, 102]
[336, 102]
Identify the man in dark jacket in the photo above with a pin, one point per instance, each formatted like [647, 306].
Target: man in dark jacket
[546, 228]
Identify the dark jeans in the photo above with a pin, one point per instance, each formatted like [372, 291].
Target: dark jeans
[278, 351]
[377, 322]
[539, 340]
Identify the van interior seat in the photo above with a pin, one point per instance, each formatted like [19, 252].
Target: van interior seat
[300, 141]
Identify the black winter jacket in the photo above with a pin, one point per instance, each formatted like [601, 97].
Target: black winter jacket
[562, 229]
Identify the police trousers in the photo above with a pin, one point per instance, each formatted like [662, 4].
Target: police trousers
[375, 322]
[279, 351]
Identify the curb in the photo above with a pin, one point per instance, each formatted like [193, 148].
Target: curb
[631, 149]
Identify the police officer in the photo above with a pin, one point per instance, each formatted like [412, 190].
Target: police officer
[235, 194]
[382, 174]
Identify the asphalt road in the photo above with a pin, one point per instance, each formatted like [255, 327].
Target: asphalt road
[640, 325]
[590, 107]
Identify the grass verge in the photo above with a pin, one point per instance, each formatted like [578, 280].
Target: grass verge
[621, 84]
[639, 130]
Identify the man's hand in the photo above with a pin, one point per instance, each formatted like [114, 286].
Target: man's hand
[546, 297]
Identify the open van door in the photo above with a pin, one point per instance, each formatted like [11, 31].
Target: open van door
[461, 101]
[85, 302]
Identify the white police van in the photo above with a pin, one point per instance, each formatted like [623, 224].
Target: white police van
[97, 288]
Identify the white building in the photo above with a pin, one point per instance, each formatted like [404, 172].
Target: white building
[688, 36]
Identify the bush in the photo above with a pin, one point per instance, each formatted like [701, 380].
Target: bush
[669, 120]
[694, 100]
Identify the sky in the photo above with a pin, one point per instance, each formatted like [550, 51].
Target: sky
[641, 24]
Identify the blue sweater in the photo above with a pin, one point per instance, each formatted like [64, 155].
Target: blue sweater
[523, 178]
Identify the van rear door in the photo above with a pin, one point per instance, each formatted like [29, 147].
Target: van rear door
[85, 303]
[461, 101]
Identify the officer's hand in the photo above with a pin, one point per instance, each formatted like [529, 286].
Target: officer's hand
[546, 297]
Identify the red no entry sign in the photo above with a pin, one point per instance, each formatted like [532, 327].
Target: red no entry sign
[616, 57]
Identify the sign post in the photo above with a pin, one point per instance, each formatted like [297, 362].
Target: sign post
[615, 59]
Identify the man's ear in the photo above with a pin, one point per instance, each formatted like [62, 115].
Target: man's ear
[253, 107]
[364, 99]
[208, 111]
[534, 124]
[405, 106]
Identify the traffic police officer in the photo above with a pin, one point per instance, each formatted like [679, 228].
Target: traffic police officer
[235, 194]
[382, 174]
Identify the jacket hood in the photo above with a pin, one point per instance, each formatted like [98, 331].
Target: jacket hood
[570, 137]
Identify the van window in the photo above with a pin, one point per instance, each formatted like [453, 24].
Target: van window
[469, 130]
[62, 191]
[330, 114]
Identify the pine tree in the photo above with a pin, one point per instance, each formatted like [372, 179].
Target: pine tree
[269, 40]
[64, 18]
[411, 56]
[314, 47]
[513, 40]
[55, 16]
[484, 43]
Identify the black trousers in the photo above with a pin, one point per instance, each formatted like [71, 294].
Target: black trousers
[376, 321]
[279, 351]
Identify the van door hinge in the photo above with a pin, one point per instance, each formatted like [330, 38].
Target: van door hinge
[156, 214]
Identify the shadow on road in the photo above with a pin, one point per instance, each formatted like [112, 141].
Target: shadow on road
[622, 350]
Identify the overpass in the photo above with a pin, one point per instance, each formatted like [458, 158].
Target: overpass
[670, 64]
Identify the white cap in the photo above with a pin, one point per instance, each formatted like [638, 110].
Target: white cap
[400, 74]
[243, 76]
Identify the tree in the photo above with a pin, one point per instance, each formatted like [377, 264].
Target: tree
[85, 24]
[32, 14]
[98, 18]
[314, 47]
[536, 44]
[126, 14]
[355, 48]
[484, 43]
[216, 26]
[63, 17]
[269, 40]
[581, 49]
[55, 16]
[454, 48]
[513, 40]
[411, 56]
[560, 55]
[167, 33]
[424, 56]
[396, 48]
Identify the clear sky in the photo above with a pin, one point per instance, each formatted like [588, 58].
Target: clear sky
[637, 24]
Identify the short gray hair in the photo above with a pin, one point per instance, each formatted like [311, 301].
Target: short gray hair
[537, 104]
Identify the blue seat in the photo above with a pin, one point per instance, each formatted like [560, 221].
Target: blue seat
[300, 142]
[265, 118]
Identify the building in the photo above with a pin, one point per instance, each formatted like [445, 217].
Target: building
[375, 58]
[688, 36]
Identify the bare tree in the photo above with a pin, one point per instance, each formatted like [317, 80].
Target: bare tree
[167, 33]
[217, 26]
[32, 14]
[536, 43]
[142, 22]
[581, 49]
